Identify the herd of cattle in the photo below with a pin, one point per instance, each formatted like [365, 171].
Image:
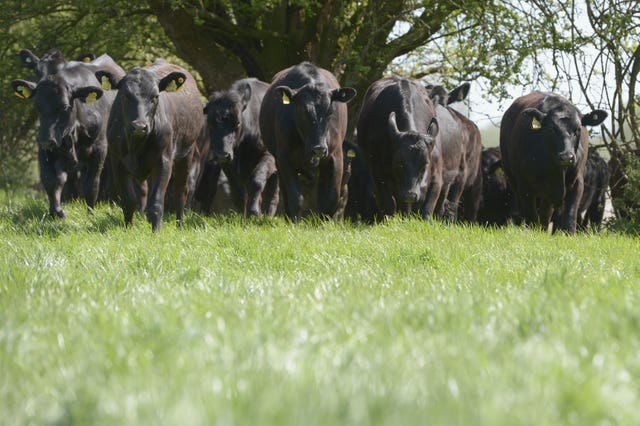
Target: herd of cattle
[144, 138]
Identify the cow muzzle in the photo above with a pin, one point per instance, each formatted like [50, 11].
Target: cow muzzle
[318, 153]
[567, 159]
[410, 197]
[222, 157]
[139, 127]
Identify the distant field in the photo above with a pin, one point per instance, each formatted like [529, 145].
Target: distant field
[229, 321]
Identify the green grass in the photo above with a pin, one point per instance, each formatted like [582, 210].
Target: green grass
[230, 321]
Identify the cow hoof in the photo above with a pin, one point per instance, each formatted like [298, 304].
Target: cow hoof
[58, 214]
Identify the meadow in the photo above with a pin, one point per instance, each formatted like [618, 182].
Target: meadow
[229, 321]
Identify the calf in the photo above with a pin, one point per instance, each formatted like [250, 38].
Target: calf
[496, 200]
[303, 120]
[596, 182]
[461, 150]
[72, 134]
[360, 202]
[236, 144]
[397, 131]
[544, 144]
[153, 129]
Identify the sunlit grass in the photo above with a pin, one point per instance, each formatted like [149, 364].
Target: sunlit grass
[234, 321]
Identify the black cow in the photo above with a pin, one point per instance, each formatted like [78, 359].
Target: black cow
[72, 134]
[461, 150]
[397, 131]
[496, 202]
[360, 203]
[544, 144]
[153, 129]
[596, 182]
[303, 120]
[236, 144]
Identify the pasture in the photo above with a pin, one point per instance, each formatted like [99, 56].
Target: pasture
[235, 321]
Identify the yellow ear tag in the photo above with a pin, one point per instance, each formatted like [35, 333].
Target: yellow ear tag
[285, 99]
[23, 92]
[91, 98]
[535, 124]
[172, 86]
[499, 171]
[351, 153]
[180, 80]
[86, 59]
[105, 83]
[460, 96]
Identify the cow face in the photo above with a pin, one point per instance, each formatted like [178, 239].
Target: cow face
[224, 119]
[411, 158]
[562, 129]
[314, 113]
[54, 100]
[139, 94]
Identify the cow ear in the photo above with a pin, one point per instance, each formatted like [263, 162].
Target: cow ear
[343, 94]
[86, 57]
[172, 82]
[88, 95]
[245, 95]
[392, 125]
[23, 89]
[594, 118]
[285, 94]
[433, 128]
[496, 168]
[107, 80]
[535, 118]
[459, 94]
[28, 59]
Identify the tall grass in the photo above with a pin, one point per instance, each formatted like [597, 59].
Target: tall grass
[235, 321]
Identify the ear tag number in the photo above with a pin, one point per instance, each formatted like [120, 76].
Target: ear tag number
[535, 124]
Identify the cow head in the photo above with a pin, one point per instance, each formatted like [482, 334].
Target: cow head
[139, 94]
[411, 158]
[562, 128]
[224, 119]
[55, 100]
[313, 112]
[50, 63]
[439, 95]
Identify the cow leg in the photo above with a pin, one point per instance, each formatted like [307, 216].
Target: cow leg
[271, 195]
[53, 178]
[571, 205]
[158, 188]
[207, 186]
[471, 198]
[256, 185]
[384, 199]
[433, 195]
[547, 214]
[180, 174]
[126, 189]
[452, 201]
[291, 194]
[91, 179]
[237, 189]
[329, 180]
